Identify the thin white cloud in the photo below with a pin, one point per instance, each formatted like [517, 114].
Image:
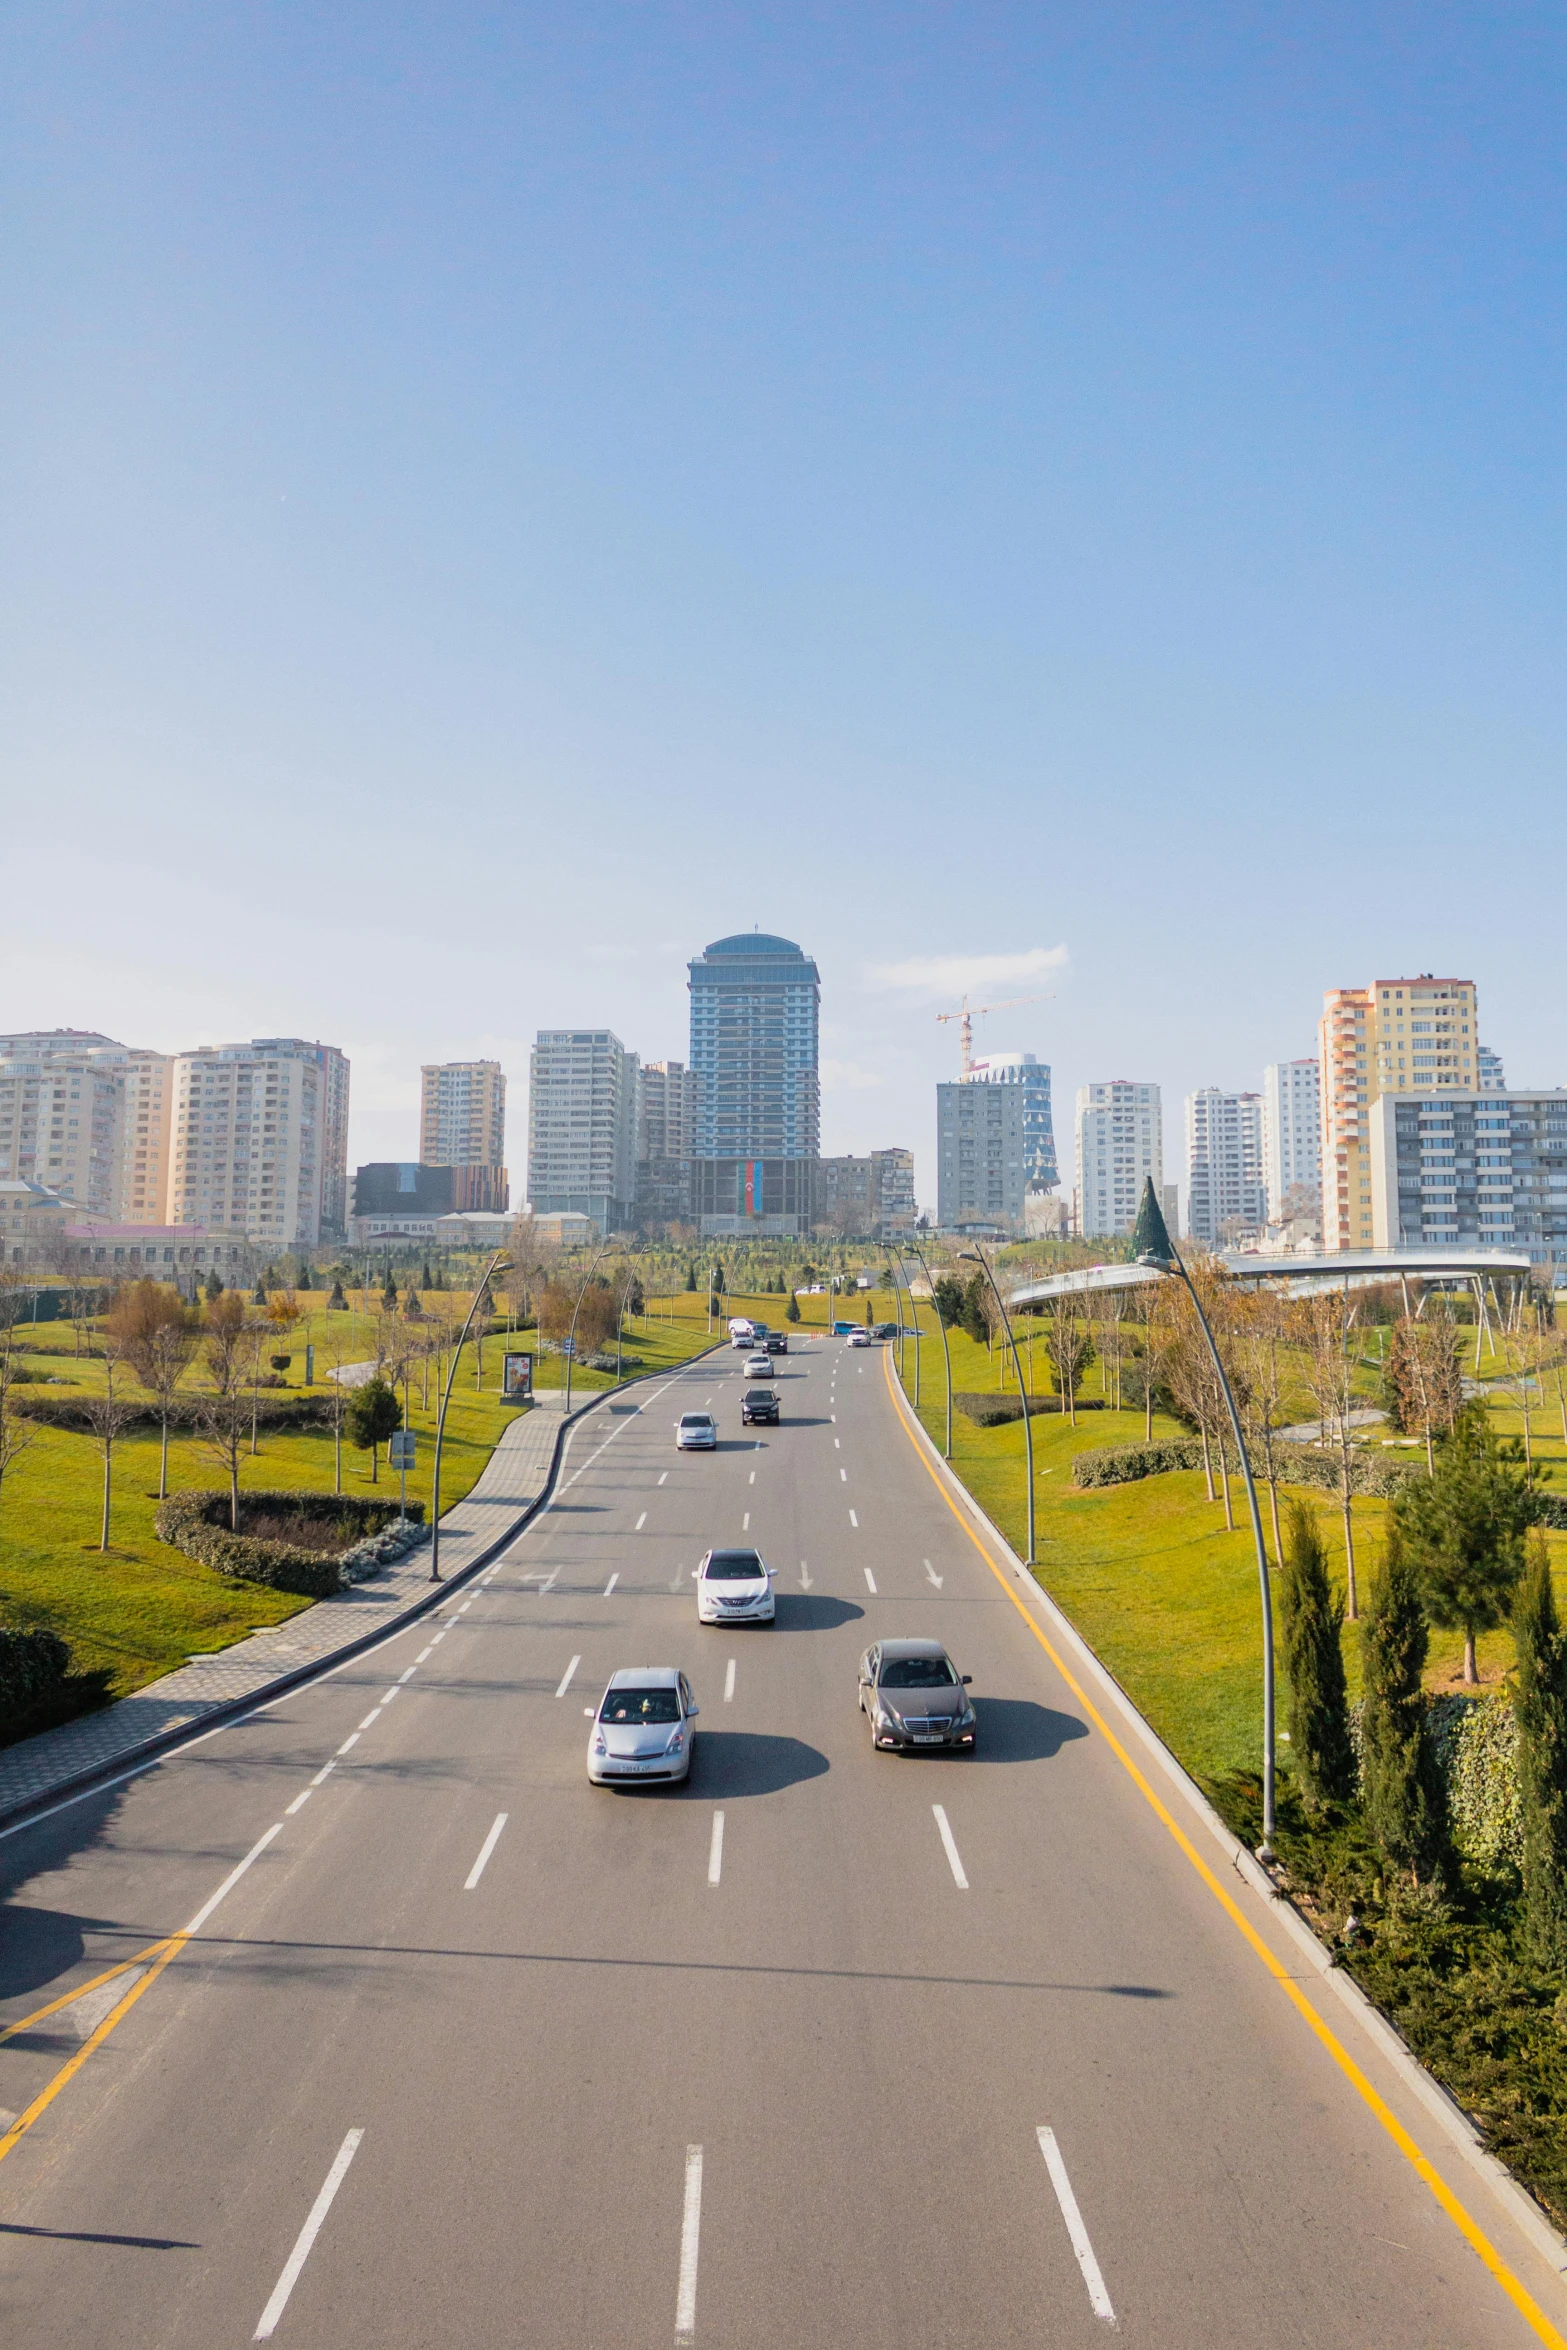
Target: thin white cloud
[846, 1077]
[956, 975]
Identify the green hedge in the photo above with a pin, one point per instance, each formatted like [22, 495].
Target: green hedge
[273, 1411]
[1475, 1741]
[197, 1523]
[1297, 1464]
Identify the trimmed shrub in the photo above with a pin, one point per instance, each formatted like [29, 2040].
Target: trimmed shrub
[1474, 1743]
[273, 1411]
[1125, 1464]
[995, 1410]
[196, 1524]
[32, 1666]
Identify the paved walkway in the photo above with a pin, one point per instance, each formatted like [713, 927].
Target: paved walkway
[513, 1477]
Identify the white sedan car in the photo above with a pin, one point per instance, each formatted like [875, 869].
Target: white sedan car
[642, 1726]
[696, 1432]
[859, 1338]
[734, 1587]
[759, 1366]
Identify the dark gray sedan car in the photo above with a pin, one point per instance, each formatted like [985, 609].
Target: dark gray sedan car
[915, 1696]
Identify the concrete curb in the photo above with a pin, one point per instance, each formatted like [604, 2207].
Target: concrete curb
[150, 1750]
[1443, 2108]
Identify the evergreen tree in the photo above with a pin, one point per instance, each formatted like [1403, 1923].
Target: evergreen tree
[974, 1316]
[259, 1294]
[718, 1279]
[304, 1281]
[389, 1294]
[1540, 1703]
[1311, 1615]
[947, 1297]
[1399, 1787]
[214, 1285]
[1463, 1528]
[337, 1303]
[792, 1309]
[690, 1277]
[424, 1275]
[373, 1415]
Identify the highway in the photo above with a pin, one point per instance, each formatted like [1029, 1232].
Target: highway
[826, 2046]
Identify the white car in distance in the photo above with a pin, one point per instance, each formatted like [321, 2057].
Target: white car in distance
[759, 1366]
[859, 1338]
[734, 1587]
[642, 1726]
[696, 1432]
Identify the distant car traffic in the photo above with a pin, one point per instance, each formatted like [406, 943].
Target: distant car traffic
[734, 1587]
[886, 1330]
[759, 1366]
[740, 1333]
[759, 1404]
[696, 1432]
[642, 1726]
[859, 1337]
[777, 1342]
[915, 1696]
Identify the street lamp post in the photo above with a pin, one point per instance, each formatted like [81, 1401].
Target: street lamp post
[899, 1259]
[1160, 1251]
[973, 1257]
[946, 1352]
[571, 1340]
[625, 1292]
[498, 1263]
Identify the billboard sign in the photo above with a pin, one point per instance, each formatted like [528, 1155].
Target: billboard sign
[516, 1378]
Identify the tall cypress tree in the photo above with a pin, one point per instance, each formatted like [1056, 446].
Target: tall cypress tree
[1398, 1783]
[1540, 1703]
[1311, 1616]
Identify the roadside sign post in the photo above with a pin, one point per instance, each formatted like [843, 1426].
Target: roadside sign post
[405, 1445]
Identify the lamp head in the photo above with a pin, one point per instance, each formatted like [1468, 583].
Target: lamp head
[1151, 1243]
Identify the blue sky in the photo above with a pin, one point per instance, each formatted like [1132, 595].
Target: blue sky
[497, 497]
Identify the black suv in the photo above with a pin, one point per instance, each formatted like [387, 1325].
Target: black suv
[758, 1403]
[777, 1342]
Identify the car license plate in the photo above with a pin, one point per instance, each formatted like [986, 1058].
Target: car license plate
[929, 1737]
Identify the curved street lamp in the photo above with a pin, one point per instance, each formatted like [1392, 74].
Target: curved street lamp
[918, 1254]
[499, 1263]
[971, 1257]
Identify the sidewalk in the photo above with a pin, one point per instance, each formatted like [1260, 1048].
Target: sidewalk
[513, 1480]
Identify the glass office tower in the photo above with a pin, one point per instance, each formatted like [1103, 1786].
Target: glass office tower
[755, 1003]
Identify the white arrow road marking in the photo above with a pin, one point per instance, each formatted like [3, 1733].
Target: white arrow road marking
[690, 2239]
[950, 1843]
[1098, 2297]
[931, 1572]
[307, 2236]
[805, 1576]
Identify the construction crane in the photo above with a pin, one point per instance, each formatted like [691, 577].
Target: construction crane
[968, 1013]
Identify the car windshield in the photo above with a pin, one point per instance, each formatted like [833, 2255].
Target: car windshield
[758, 1395]
[735, 1566]
[695, 1420]
[640, 1705]
[917, 1672]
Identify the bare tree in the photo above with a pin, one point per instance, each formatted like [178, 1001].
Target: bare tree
[1323, 1326]
[109, 1410]
[156, 1332]
[15, 1434]
[225, 1405]
[1070, 1346]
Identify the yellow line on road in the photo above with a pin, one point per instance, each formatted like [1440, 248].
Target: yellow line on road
[69, 1998]
[1522, 2300]
[46, 2097]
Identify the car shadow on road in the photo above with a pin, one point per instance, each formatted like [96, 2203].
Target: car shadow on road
[1015, 1729]
[810, 1611]
[734, 1763]
[38, 1946]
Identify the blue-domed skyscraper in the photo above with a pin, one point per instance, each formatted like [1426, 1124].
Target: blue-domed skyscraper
[755, 1004]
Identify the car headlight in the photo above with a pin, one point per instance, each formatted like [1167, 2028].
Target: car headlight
[676, 1742]
[599, 1746]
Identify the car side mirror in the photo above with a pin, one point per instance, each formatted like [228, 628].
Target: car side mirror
[588, 1710]
[695, 1571]
[692, 1713]
[967, 1678]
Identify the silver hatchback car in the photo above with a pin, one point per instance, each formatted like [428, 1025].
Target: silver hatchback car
[642, 1726]
[696, 1432]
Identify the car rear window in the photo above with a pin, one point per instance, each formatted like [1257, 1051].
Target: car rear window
[917, 1672]
[735, 1566]
[640, 1705]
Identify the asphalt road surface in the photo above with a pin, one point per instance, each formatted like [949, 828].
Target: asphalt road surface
[827, 2046]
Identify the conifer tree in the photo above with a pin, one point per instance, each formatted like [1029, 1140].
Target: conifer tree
[1463, 1528]
[1311, 1616]
[1398, 1784]
[1540, 1703]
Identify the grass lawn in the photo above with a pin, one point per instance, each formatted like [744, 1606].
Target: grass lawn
[1147, 1572]
[143, 1608]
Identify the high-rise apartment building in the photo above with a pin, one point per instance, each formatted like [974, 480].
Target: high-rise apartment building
[62, 1114]
[146, 1138]
[582, 1126]
[1224, 1177]
[1120, 1144]
[1398, 1036]
[1292, 1135]
[1471, 1167]
[668, 1101]
[981, 1156]
[1493, 1077]
[260, 1140]
[1040, 1169]
[870, 1198]
[462, 1114]
[755, 1007]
